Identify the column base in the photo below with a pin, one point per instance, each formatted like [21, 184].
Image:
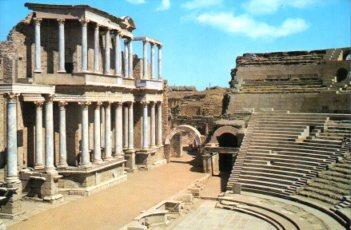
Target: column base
[50, 170]
[98, 161]
[61, 71]
[86, 165]
[37, 71]
[12, 208]
[62, 166]
[39, 167]
[12, 180]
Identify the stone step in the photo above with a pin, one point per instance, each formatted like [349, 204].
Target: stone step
[264, 190]
[332, 178]
[318, 197]
[275, 159]
[330, 187]
[276, 172]
[290, 168]
[305, 144]
[282, 156]
[323, 192]
[261, 178]
[291, 147]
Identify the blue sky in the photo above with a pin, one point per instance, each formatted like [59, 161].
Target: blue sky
[203, 37]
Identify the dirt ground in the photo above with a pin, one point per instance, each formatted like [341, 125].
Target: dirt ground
[118, 205]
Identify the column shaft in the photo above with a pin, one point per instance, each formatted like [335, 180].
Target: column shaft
[130, 54]
[39, 161]
[146, 132]
[108, 147]
[125, 126]
[11, 173]
[125, 57]
[159, 124]
[37, 46]
[152, 125]
[131, 127]
[107, 52]
[63, 145]
[61, 46]
[159, 64]
[96, 49]
[117, 55]
[152, 52]
[145, 59]
[97, 135]
[84, 46]
[49, 137]
[118, 130]
[85, 157]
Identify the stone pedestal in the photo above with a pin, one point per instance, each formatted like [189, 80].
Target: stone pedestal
[206, 162]
[49, 190]
[12, 205]
[130, 160]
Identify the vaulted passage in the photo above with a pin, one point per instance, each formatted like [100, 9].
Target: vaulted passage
[227, 140]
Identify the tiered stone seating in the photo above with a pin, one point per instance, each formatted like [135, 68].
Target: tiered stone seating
[278, 155]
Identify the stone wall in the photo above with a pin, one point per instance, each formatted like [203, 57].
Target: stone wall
[299, 102]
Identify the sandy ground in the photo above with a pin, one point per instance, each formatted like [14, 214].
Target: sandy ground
[118, 205]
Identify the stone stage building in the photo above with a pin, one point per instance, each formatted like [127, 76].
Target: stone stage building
[78, 105]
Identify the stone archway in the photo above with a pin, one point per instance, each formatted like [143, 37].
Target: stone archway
[224, 130]
[190, 130]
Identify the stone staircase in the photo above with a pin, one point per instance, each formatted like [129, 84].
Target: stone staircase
[282, 151]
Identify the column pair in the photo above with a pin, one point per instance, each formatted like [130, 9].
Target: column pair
[146, 131]
[152, 54]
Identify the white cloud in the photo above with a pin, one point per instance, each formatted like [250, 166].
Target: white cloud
[136, 2]
[165, 5]
[270, 6]
[246, 25]
[196, 4]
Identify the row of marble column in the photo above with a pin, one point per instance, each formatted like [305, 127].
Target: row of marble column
[122, 142]
[150, 74]
[151, 135]
[128, 50]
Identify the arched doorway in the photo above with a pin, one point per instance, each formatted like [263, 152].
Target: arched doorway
[174, 139]
[227, 140]
[341, 74]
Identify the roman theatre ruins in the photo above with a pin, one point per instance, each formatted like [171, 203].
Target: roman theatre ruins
[81, 114]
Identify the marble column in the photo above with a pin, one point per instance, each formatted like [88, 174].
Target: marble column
[107, 52]
[159, 124]
[125, 127]
[63, 144]
[49, 134]
[108, 140]
[11, 175]
[97, 135]
[102, 127]
[146, 133]
[37, 67]
[159, 64]
[131, 126]
[125, 57]
[85, 156]
[130, 55]
[61, 23]
[152, 125]
[39, 160]
[145, 43]
[152, 52]
[117, 54]
[118, 130]
[97, 48]
[84, 52]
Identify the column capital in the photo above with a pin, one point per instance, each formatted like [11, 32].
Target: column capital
[98, 103]
[49, 97]
[159, 46]
[84, 21]
[61, 20]
[152, 45]
[145, 42]
[97, 26]
[37, 20]
[128, 102]
[62, 103]
[38, 103]
[118, 103]
[84, 103]
[144, 103]
[11, 97]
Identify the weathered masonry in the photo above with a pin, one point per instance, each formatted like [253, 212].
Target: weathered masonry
[79, 106]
